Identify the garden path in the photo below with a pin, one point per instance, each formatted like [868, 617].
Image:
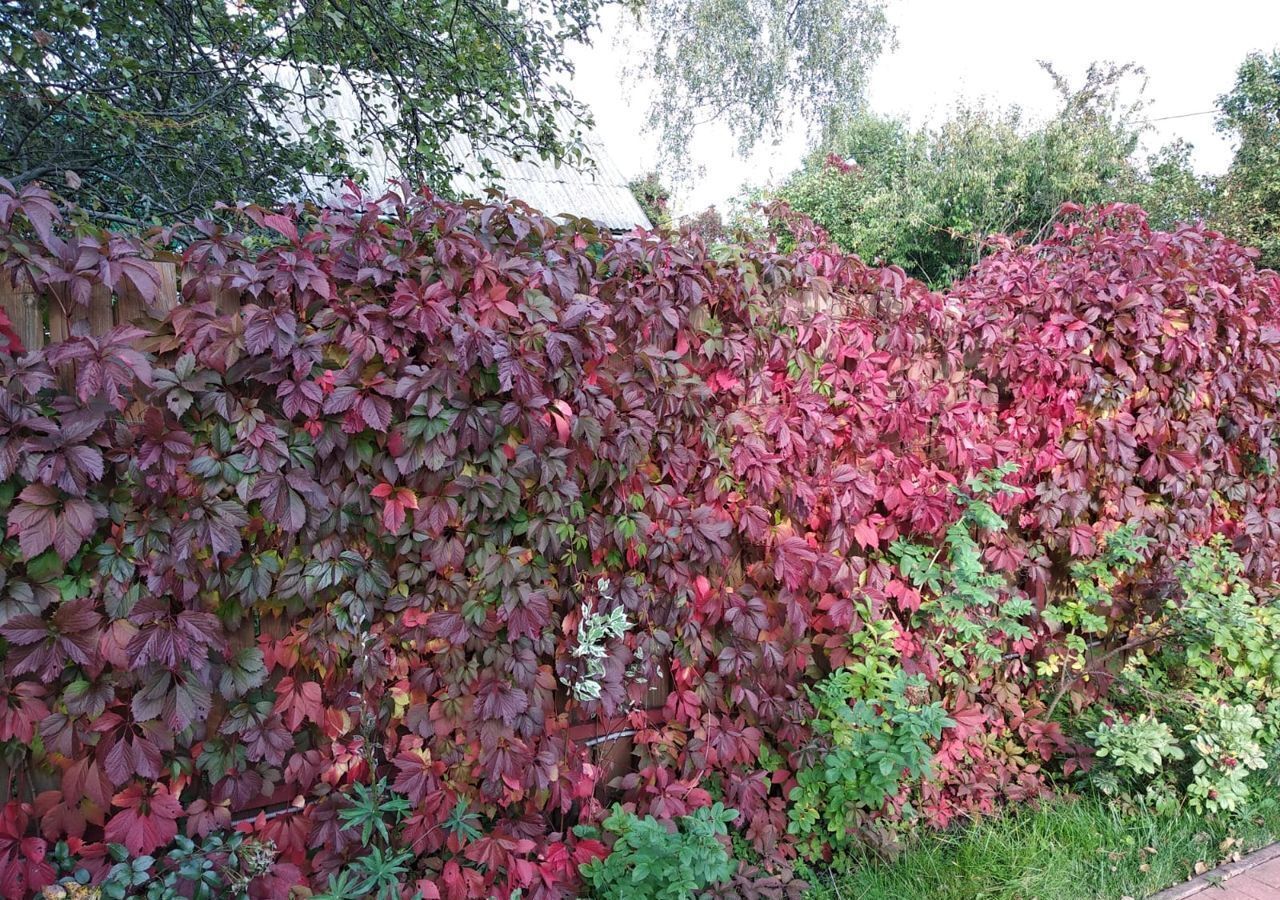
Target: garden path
[1255, 877]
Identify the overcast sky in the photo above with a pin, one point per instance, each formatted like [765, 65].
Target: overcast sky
[947, 49]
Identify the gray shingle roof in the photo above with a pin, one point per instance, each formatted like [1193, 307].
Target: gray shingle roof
[600, 195]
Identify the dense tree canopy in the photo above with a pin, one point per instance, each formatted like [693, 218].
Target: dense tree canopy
[1249, 206]
[165, 106]
[154, 109]
[926, 198]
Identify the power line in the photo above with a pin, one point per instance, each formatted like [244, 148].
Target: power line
[1207, 112]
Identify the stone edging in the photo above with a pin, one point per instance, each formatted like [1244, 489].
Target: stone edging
[1220, 874]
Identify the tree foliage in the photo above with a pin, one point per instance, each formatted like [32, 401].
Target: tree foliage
[165, 107]
[1171, 191]
[1249, 206]
[926, 199]
[155, 110]
[654, 198]
[758, 66]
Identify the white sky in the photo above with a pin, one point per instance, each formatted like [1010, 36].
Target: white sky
[947, 49]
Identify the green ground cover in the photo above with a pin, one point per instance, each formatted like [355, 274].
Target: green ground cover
[1069, 849]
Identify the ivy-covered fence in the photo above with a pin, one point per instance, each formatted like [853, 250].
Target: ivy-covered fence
[47, 315]
[454, 478]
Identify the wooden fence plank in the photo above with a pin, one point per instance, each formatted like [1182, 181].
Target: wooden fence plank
[61, 309]
[101, 311]
[130, 307]
[226, 300]
[65, 313]
[168, 296]
[25, 310]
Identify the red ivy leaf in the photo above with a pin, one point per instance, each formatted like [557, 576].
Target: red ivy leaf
[395, 502]
[297, 701]
[45, 648]
[39, 523]
[148, 821]
[496, 699]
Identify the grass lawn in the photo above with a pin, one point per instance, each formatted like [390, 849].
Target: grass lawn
[1065, 850]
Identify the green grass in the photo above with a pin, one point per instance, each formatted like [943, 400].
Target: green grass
[1064, 850]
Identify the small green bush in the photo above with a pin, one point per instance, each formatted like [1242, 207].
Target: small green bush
[649, 860]
[1195, 716]
[1142, 745]
[217, 866]
[875, 746]
[1229, 747]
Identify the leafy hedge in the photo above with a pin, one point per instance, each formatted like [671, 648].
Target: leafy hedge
[458, 475]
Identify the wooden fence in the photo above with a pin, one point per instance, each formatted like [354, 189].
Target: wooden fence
[41, 320]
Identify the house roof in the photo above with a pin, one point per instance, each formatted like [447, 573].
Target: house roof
[600, 194]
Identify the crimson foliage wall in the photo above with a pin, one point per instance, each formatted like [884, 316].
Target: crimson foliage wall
[351, 530]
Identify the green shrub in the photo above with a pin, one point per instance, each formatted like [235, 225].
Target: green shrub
[1224, 638]
[1142, 745]
[874, 746]
[1198, 714]
[649, 860]
[927, 198]
[217, 867]
[1229, 747]
[1249, 193]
